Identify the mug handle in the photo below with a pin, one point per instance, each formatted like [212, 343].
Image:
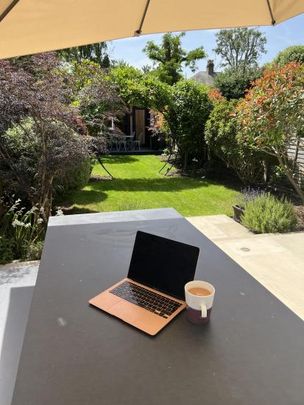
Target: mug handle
[203, 310]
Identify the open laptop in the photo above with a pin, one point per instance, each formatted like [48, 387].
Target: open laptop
[153, 292]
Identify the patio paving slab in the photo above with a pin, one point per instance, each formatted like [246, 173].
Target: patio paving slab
[16, 281]
[274, 260]
[14, 275]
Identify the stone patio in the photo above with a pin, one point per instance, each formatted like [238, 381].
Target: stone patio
[16, 288]
[14, 275]
[275, 260]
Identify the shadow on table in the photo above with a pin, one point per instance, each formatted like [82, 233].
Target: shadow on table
[17, 315]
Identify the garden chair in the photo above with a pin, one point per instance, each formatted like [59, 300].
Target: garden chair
[136, 142]
[122, 145]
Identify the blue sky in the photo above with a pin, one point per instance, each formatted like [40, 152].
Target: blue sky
[290, 32]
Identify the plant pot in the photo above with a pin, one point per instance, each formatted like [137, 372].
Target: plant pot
[237, 212]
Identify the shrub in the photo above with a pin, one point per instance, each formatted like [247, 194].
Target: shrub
[186, 116]
[75, 179]
[293, 53]
[37, 154]
[248, 194]
[233, 82]
[34, 250]
[20, 230]
[267, 214]
[37, 140]
[271, 117]
[222, 138]
[6, 250]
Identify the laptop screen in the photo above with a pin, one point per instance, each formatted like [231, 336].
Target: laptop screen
[163, 264]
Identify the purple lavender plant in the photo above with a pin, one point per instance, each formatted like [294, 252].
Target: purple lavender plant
[248, 194]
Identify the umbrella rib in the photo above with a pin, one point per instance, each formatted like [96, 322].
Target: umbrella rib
[8, 9]
[138, 31]
[273, 21]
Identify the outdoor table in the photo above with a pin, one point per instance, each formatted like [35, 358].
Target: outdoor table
[128, 139]
[252, 351]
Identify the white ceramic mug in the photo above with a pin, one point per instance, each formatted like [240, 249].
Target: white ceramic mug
[199, 306]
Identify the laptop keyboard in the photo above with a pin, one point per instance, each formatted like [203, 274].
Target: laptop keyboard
[147, 299]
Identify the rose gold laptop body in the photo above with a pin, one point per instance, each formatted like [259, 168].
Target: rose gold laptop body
[160, 265]
[132, 314]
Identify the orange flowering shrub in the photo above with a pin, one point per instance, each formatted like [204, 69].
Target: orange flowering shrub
[272, 114]
[215, 95]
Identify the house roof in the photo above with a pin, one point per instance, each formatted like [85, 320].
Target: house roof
[207, 76]
[204, 77]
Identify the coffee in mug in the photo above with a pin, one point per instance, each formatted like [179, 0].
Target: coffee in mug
[199, 298]
[199, 291]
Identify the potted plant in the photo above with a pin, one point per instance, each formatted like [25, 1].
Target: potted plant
[247, 194]
[238, 211]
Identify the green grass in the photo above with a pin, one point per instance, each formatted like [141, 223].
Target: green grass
[138, 185]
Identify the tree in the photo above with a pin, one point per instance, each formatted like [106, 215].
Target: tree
[170, 57]
[97, 53]
[32, 85]
[271, 116]
[291, 54]
[233, 82]
[96, 96]
[37, 137]
[186, 115]
[240, 47]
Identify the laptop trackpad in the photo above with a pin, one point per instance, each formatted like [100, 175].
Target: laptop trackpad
[104, 300]
[137, 316]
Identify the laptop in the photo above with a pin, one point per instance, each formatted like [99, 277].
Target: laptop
[153, 292]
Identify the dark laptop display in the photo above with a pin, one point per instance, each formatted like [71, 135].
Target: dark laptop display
[163, 264]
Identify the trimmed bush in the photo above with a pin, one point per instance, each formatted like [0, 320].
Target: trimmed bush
[185, 117]
[38, 156]
[267, 214]
[76, 178]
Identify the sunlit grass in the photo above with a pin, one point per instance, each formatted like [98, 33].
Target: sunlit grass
[138, 184]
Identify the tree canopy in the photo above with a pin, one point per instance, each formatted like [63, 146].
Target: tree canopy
[139, 89]
[233, 82]
[96, 96]
[170, 57]
[291, 54]
[240, 47]
[97, 53]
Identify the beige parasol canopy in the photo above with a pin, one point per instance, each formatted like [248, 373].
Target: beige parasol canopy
[31, 26]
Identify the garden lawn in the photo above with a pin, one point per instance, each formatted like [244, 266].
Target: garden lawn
[137, 184]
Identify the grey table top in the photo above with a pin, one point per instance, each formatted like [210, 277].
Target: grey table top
[252, 352]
